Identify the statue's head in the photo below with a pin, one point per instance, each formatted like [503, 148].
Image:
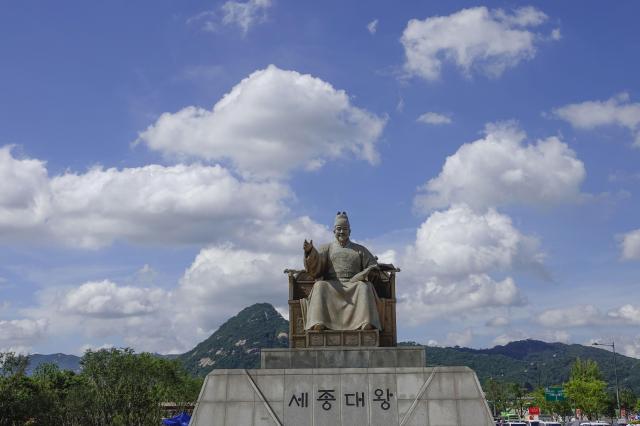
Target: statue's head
[341, 227]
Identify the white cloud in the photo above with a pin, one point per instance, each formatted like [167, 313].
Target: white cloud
[544, 335]
[387, 256]
[372, 26]
[500, 169]
[572, 316]
[459, 242]
[228, 278]
[561, 336]
[617, 111]
[270, 123]
[452, 263]
[283, 236]
[498, 322]
[462, 338]
[19, 334]
[626, 344]
[589, 315]
[629, 314]
[245, 14]
[150, 204]
[222, 280]
[473, 39]
[443, 298]
[511, 336]
[88, 346]
[105, 299]
[140, 317]
[283, 310]
[631, 245]
[630, 345]
[621, 176]
[434, 118]
[155, 203]
[24, 194]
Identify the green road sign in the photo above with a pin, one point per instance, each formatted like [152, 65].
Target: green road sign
[554, 393]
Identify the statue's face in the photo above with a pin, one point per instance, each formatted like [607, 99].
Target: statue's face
[342, 233]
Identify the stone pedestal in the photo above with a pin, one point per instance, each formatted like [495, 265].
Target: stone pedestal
[342, 338]
[426, 396]
[408, 356]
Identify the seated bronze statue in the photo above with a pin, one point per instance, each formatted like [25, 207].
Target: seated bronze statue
[342, 289]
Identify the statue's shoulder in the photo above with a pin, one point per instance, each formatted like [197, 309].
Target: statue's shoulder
[324, 248]
[359, 247]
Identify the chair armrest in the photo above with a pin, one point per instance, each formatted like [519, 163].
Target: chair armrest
[388, 267]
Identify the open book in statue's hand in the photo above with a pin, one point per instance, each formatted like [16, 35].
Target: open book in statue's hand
[364, 275]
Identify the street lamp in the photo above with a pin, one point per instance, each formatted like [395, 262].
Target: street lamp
[612, 345]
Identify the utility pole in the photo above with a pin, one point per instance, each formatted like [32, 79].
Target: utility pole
[612, 345]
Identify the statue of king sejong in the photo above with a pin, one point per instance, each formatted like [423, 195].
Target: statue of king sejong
[342, 297]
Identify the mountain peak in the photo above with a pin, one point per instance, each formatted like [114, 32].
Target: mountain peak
[237, 343]
[521, 349]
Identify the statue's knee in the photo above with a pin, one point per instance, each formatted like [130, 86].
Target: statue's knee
[363, 286]
[320, 285]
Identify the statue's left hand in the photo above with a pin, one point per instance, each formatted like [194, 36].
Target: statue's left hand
[307, 246]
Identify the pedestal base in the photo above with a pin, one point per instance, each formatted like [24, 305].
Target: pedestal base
[329, 338]
[431, 396]
[407, 356]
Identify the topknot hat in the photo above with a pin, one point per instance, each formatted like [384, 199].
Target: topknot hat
[341, 219]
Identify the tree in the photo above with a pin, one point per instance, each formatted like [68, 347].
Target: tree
[12, 364]
[115, 387]
[496, 394]
[562, 408]
[586, 389]
[628, 398]
[516, 395]
[127, 389]
[21, 399]
[68, 392]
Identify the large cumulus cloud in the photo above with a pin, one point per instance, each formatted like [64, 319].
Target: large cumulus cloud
[500, 169]
[270, 123]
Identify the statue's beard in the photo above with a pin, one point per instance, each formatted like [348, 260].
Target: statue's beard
[342, 239]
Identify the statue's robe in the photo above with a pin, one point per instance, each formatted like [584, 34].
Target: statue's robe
[340, 299]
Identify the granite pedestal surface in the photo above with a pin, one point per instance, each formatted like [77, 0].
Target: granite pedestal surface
[355, 357]
[381, 395]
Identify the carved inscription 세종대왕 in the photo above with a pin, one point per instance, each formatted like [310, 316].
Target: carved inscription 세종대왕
[352, 399]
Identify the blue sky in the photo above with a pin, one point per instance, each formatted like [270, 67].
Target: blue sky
[166, 154]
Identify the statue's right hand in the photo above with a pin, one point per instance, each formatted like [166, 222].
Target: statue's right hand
[307, 246]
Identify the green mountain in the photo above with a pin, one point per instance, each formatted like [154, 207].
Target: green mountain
[65, 362]
[533, 363]
[529, 362]
[237, 343]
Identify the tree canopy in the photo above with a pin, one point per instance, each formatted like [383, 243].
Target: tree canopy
[115, 387]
